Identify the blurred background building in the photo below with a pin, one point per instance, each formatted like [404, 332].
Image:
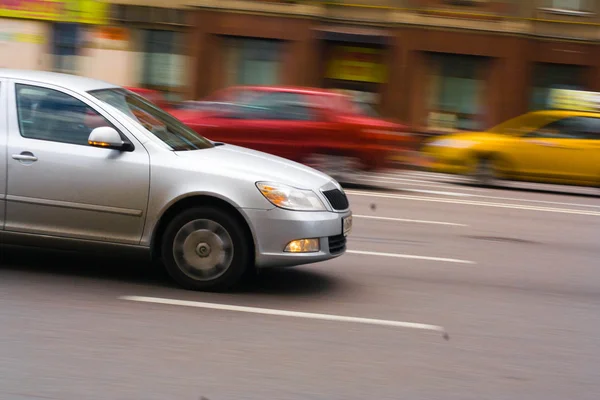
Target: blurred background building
[436, 65]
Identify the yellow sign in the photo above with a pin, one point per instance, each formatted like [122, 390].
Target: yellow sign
[361, 64]
[110, 38]
[574, 100]
[93, 12]
[22, 38]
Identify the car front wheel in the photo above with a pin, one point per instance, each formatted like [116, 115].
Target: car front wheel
[205, 248]
[484, 173]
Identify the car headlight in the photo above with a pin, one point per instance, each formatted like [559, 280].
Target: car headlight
[453, 143]
[290, 198]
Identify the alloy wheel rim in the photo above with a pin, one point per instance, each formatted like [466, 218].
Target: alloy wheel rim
[203, 249]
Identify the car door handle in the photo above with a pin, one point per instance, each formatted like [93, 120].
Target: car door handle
[25, 156]
[544, 143]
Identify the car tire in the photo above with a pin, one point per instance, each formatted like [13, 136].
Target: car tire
[484, 173]
[205, 248]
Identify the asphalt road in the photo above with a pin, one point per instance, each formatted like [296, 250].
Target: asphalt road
[512, 276]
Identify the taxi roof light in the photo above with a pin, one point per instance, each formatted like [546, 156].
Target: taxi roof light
[574, 100]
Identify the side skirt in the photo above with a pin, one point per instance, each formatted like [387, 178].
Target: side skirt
[84, 246]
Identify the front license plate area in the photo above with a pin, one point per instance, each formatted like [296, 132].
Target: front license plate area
[347, 225]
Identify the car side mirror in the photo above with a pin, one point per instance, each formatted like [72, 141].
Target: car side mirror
[107, 138]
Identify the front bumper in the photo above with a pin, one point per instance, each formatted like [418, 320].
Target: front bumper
[274, 229]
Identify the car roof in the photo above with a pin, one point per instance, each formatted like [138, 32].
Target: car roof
[565, 113]
[293, 89]
[72, 82]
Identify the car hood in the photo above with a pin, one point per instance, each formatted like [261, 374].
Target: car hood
[250, 165]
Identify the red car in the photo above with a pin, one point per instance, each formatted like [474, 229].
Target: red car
[316, 127]
[152, 95]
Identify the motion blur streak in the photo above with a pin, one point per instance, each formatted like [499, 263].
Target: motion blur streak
[474, 203]
[466, 136]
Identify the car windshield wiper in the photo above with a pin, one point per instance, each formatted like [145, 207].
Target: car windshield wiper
[218, 144]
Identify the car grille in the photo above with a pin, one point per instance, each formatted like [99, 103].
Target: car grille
[337, 199]
[337, 244]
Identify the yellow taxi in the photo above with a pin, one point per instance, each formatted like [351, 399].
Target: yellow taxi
[559, 146]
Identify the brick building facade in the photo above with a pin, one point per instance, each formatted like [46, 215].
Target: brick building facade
[433, 64]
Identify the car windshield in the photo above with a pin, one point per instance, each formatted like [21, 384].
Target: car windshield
[161, 124]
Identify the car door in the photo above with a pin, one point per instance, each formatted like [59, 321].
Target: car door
[591, 147]
[3, 139]
[312, 128]
[233, 124]
[563, 151]
[286, 123]
[259, 123]
[581, 144]
[225, 117]
[545, 152]
[58, 185]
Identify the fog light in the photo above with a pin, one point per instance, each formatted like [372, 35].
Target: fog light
[302, 246]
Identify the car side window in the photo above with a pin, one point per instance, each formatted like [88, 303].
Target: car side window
[590, 129]
[47, 114]
[242, 96]
[282, 106]
[248, 106]
[567, 128]
[297, 107]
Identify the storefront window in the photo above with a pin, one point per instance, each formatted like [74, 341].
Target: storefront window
[253, 61]
[163, 60]
[359, 72]
[66, 39]
[554, 76]
[455, 97]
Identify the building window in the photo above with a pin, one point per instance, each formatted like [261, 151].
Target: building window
[455, 98]
[568, 5]
[66, 39]
[554, 76]
[253, 61]
[357, 71]
[163, 64]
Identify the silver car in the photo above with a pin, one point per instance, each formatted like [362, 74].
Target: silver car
[88, 165]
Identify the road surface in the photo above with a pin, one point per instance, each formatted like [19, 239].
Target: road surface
[447, 292]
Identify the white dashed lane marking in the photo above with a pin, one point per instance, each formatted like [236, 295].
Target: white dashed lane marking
[286, 313]
[413, 221]
[408, 256]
